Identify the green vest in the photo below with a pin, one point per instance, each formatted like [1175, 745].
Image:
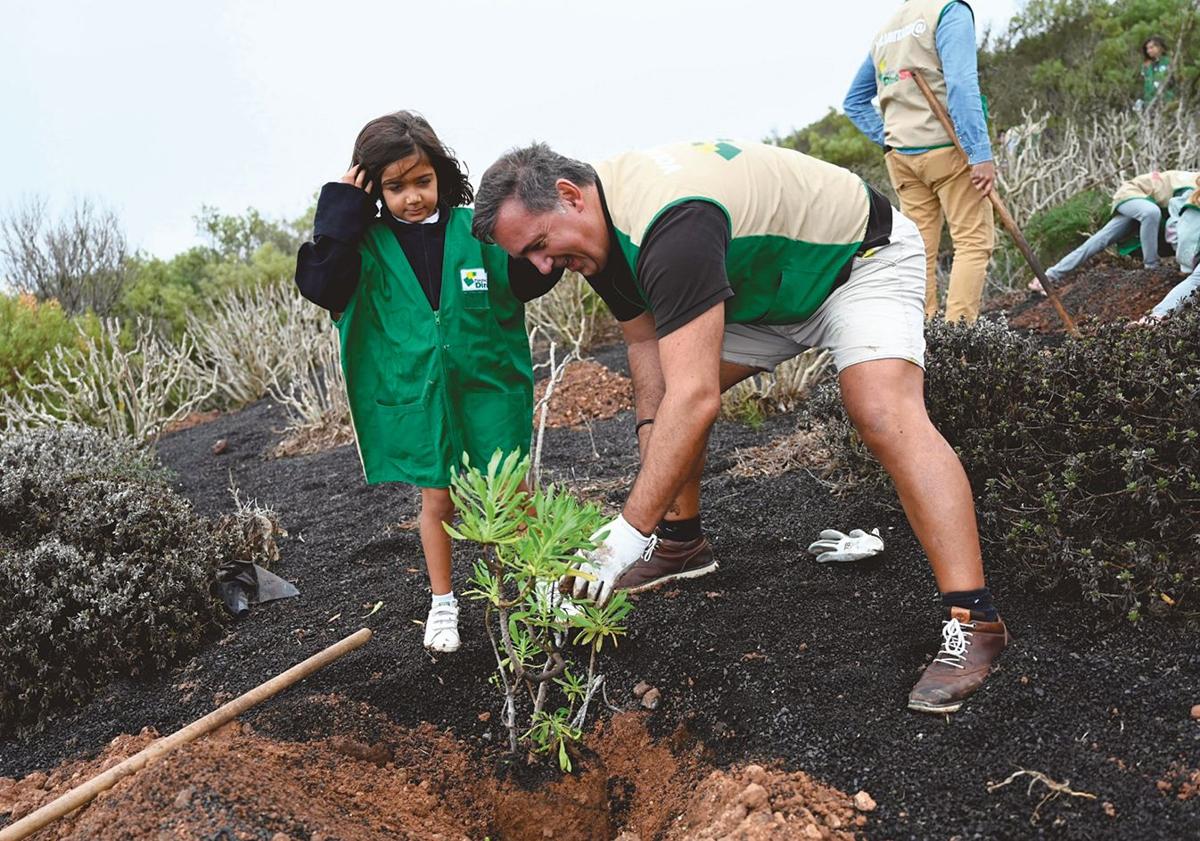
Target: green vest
[425, 386]
[794, 220]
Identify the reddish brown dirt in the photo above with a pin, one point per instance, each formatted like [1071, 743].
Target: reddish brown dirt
[1110, 289]
[190, 420]
[423, 783]
[587, 392]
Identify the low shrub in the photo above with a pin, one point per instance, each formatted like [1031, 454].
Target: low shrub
[1084, 457]
[29, 330]
[104, 570]
[1060, 229]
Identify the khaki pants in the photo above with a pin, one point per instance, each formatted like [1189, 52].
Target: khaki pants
[935, 185]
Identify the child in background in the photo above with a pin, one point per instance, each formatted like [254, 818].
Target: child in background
[433, 342]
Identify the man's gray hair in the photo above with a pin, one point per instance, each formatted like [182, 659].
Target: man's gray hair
[529, 174]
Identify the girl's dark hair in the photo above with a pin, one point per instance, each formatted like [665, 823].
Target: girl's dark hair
[390, 138]
[1153, 39]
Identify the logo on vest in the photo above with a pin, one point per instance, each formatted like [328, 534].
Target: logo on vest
[887, 77]
[916, 29]
[720, 147]
[473, 280]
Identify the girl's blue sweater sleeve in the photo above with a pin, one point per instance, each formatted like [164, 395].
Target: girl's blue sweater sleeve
[327, 268]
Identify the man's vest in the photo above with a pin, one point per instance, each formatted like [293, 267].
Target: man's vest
[1158, 187]
[909, 42]
[794, 221]
[426, 386]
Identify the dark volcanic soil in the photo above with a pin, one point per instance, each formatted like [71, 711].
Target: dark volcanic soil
[1110, 288]
[772, 659]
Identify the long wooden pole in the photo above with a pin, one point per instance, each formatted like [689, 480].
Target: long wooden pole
[1006, 218]
[84, 792]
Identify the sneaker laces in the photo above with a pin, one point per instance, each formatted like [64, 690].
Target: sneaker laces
[954, 643]
[442, 617]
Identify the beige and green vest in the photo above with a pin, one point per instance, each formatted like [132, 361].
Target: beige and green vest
[1158, 187]
[909, 42]
[794, 221]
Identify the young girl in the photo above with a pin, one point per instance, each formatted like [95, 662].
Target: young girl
[433, 341]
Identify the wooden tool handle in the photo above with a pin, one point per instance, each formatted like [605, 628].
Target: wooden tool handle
[1006, 218]
[84, 792]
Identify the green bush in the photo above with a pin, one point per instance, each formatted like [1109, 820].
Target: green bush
[1060, 229]
[1084, 457]
[104, 570]
[28, 331]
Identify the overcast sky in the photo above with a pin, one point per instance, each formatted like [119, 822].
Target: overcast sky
[157, 108]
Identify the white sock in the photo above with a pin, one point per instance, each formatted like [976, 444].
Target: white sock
[445, 598]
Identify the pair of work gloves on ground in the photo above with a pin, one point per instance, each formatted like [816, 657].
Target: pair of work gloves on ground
[623, 546]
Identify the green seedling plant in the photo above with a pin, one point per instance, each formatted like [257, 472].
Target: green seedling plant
[529, 541]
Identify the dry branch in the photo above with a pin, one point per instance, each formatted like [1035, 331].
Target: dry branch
[1056, 789]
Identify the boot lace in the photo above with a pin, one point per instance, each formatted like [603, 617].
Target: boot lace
[954, 643]
[649, 550]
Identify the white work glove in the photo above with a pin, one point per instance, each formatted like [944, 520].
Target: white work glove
[623, 547]
[835, 546]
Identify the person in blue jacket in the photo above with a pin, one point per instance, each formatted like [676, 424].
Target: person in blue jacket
[934, 184]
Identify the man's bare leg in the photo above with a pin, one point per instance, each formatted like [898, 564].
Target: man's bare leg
[687, 503]
[885, 400]
[682, 550]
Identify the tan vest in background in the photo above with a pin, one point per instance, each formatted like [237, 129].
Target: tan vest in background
[1158, 187]
[908, 42]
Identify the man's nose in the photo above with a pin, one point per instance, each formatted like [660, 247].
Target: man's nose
[542, 263]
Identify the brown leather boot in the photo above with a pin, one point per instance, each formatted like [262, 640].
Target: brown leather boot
[671, 560]
[969, 647]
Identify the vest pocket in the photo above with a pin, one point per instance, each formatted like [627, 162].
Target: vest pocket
[407, 443]
[496, 420]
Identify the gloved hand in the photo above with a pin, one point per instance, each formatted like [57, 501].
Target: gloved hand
[622, 547]
[835, 546]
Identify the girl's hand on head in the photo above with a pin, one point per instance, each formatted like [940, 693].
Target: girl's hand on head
[356, 175]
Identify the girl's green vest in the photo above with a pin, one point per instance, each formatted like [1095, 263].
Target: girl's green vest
[426, 386]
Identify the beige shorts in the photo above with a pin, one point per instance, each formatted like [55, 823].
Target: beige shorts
[878, 313]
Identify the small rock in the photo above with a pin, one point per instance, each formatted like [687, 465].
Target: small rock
[626, 835]
[1024, 680]
[802, 647]
[220, 446]
[1110, 809]
[813, 831]
[863, 802]
[753, 797]
[184, 798]
[281, 836]
[1163, 786]
[485, 716]
[651, 698]
[1196, 713]
[547, 832]
[641, 688]
[756, 774]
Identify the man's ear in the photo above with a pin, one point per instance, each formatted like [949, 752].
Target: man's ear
[570, 194]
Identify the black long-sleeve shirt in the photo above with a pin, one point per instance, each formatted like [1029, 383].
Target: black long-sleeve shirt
[327, 269]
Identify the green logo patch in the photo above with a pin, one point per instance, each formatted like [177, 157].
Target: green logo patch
[473, 280]
[720, 147]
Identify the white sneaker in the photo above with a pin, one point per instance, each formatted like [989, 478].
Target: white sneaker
[441, 628]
